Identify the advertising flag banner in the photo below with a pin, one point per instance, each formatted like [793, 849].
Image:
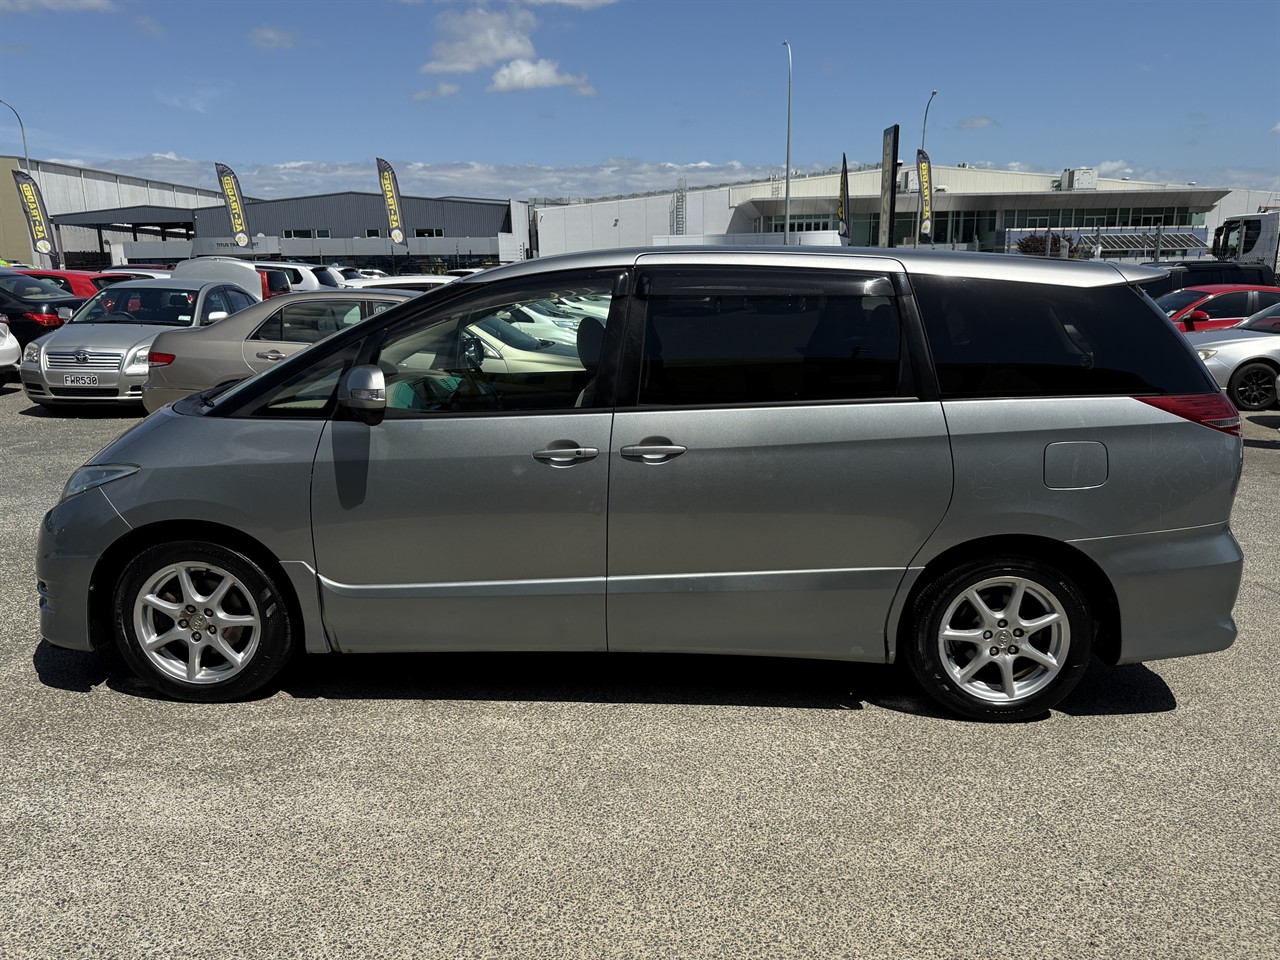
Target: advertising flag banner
[230, 186]
[924, 173]
[842, 211]
[888, 185]
[37, 217]
[391, 196]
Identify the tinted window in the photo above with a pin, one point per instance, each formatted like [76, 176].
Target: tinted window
[1266, 299]
[237, 298]
[781, 340]
[995, 338]
[325, 277]
[31, 288]
[1226, 305]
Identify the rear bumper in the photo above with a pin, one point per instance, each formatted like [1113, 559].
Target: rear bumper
[1175, 589]
[153, 398]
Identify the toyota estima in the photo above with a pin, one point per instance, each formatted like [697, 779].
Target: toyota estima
[991, 467]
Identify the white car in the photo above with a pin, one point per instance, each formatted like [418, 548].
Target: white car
[10, 352]
[413, 281]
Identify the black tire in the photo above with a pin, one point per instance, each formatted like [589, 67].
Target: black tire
[229, 627]
[1030, 671]
[1253, 387]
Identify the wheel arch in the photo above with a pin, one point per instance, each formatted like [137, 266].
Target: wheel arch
[106, 572]
[1093, 582]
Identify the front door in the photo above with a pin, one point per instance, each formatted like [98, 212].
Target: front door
[473, 516]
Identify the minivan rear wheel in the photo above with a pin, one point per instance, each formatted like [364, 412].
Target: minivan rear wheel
[1000, 639]
[200, 622]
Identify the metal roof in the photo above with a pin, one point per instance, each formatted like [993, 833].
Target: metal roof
[145, 216]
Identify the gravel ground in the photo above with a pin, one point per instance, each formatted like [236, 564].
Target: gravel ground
[619, 806]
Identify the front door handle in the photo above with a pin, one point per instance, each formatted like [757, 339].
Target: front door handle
[271, 355]
[653, 450]
[565, 453]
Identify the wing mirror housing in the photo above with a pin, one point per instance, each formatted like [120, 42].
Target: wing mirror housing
[215, 316]
[363, 394]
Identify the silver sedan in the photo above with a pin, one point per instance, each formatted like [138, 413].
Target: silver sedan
[183, 362]
[1244, 359]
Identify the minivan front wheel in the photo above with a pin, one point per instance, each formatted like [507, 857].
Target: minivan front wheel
[1002, 639]
[200, 622]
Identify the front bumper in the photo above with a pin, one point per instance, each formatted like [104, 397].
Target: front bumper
[44, 385]
[73, 537]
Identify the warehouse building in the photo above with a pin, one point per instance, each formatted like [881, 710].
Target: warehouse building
[973, 209]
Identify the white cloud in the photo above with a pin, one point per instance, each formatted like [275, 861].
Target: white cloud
[480, 38]
[580, 4]
[1276, 128]
[195, 101]
[528, 75]
[270, 38]
[1115, 168]
[151, 27]
[57, 6]
[977, 123]
[437, 92]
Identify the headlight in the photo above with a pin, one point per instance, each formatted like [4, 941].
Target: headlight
[567, 324]
[1206, 354]
[31, 354]
[138, 361]
[86, 478]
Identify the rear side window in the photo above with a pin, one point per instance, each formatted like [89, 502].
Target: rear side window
[1227, 305]
[996, 338]
[715, 341]
[308, 321]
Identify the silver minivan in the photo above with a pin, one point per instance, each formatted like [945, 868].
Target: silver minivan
[990, 467]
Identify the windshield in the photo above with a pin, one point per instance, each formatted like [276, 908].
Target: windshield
[506, 333]
[1171, 303]
[125, 303]
[1264, 321]
[32, 288]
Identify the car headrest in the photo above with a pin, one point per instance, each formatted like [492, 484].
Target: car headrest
[590, 342]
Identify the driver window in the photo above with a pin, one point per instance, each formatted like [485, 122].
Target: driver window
[528, 349]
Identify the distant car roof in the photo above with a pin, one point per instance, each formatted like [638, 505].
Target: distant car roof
[1209, 288]
[178, 283]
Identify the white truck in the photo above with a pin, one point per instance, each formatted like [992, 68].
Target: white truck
[1251, 238]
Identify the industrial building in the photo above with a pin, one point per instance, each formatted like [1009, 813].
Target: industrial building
[102, 218]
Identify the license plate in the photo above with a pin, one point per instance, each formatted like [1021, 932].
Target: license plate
[80, 380]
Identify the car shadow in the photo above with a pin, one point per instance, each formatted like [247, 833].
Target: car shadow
[101, 411]
[615, 678]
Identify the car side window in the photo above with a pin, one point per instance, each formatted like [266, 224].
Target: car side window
[748, 340]
[1266, 299]
[1227, 305]
[371, 308]
[471, 358]
[998, 338]
[214, 301]
[308, 321]
[238, 299]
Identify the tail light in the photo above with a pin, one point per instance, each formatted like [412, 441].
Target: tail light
[1212, 410]
[45, 319]
[160, 359]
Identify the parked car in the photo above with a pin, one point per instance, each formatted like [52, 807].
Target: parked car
[33, 305]
[299, 275]
[78, 283]
[141, 273]
[361, 273]
[183, 362]
[421, 282]
[260, 281]
[1245, 359]
[1215, 305]
[100, 354]
[10, 352]
[328, 276]
[1197, 273]
[860, 455]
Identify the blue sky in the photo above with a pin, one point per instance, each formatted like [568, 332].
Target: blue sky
[595, 97]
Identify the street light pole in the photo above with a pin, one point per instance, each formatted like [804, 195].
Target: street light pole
[920, 186]
[23, 130]
[786, 219]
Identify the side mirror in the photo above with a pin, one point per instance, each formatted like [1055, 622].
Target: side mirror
[473, 350]
[363, 393]
[216, 316]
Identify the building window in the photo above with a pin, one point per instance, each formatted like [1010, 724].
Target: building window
[428, 232]
[373, 232]
[298, 234]
[323, 233]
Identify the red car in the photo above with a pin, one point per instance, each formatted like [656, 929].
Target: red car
[1215, 305]
[79, 283]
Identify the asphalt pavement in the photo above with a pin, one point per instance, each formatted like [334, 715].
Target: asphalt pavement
[628, 806]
